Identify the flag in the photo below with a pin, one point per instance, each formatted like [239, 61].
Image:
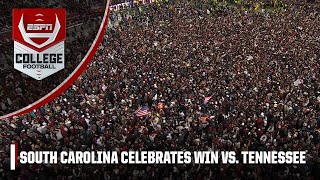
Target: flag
[142, 111]
[206, 99]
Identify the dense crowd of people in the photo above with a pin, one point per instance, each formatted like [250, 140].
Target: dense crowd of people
[260, 68]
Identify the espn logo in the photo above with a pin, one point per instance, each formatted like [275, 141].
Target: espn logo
[39, 27]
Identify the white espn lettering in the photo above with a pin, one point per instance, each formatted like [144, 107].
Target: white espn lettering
[39, 27]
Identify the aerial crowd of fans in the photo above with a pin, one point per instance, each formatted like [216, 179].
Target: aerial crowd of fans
[237, 78]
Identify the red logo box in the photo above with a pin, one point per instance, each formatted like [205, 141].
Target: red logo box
[39, 29]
